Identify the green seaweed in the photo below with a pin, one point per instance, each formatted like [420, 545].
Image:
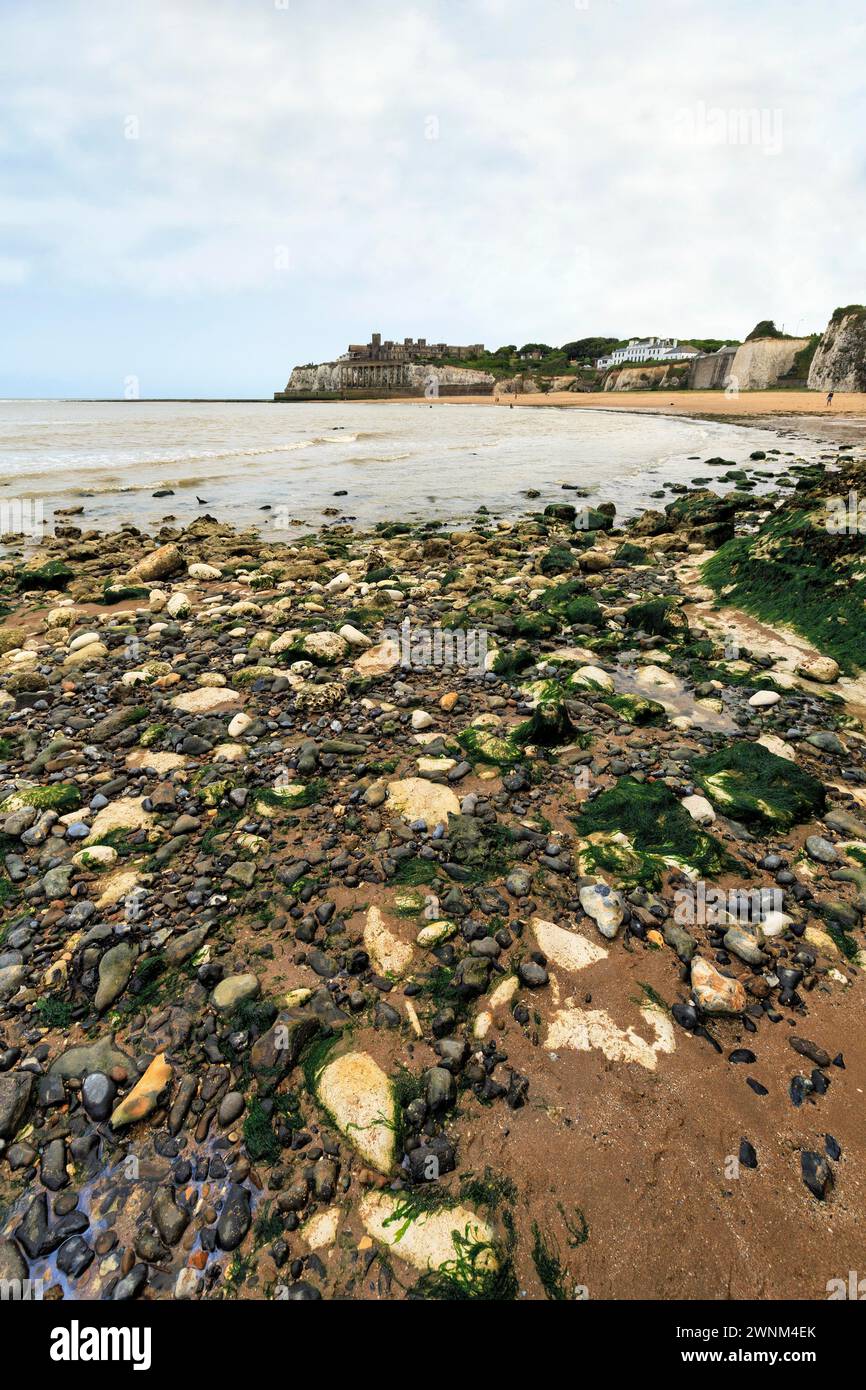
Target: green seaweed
[753, 785]
[470, 1276]
[259, 1136]
[653, 616]
[415, 871]
[489, 1190]
[657, 827]
[54, 1013]
[798, 571]
[548, 1266]
[511, 662]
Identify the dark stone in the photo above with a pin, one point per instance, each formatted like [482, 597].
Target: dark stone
[276, 1052]
[15, 1089]
[817, 1174]
[98, 1093]
[832, 1146]
[130, 1286]
[811, 1050]
[74, 1257]
[235, 1217]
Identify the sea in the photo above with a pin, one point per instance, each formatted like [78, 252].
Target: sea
[297, 466]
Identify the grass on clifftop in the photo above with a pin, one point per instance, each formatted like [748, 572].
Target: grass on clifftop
[797, 573]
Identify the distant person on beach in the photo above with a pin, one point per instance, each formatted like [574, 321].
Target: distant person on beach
[830, 397]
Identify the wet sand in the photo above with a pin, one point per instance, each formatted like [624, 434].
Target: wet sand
[844, 422]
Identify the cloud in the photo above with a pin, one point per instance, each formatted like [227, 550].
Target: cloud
[483, 167]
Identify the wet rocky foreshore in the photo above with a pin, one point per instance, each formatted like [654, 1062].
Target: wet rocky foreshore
[330, 968]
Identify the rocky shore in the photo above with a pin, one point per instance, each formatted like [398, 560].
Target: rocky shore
[326, 976]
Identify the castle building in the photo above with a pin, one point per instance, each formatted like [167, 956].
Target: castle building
[385, 368]
[377, 364]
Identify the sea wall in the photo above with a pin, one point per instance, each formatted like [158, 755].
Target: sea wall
[711, 373]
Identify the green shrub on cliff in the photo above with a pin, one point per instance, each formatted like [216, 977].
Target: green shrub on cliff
[839, 314]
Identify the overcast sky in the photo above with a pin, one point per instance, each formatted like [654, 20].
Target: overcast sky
[202, 193]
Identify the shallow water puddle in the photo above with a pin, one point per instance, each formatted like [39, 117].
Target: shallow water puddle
[654, 683]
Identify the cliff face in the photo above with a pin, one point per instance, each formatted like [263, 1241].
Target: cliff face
[839, 363]
[764, 361]
[325, 378]
[643, 379]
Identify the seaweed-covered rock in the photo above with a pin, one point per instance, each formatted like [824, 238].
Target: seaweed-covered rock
[657, 833]
[557, 560]
[560, 511]
[629, 554]
[56, 574]
[701, 508]
[635, 709]
[592, 519]
[657, 616]
[752, 785]
[451, 1238]
[802, 569]
[59, 796]
[549, 726]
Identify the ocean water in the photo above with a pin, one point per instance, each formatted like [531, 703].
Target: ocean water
[286, 466]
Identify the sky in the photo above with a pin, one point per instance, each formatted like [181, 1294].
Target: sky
[196, 195]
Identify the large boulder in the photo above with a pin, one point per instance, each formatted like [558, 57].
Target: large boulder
[159, 564]
[362, 1104]
[752, 785]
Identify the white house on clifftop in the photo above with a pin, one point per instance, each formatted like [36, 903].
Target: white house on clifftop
[649, 350]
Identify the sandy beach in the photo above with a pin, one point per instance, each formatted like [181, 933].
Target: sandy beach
[746, 405]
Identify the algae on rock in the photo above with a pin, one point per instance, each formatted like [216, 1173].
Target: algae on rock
[751, 784]
[637, 829]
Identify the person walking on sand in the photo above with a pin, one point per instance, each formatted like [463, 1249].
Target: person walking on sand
[830, 397]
